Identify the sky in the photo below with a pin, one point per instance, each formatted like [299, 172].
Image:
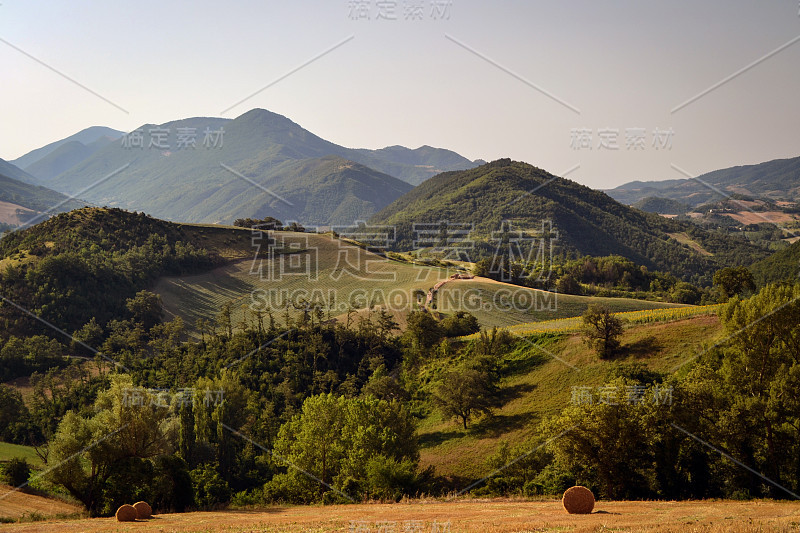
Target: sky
[602, 92]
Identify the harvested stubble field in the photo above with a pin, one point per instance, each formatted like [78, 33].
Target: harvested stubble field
[483, 516]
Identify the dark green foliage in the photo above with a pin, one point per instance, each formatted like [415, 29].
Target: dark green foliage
[459, 324]
[89, 262]
[422, 330]
[210, 489]
[732, 281]
[262, 223]
[601, 329]
[16, 425]
[146, 308]
[16, 472]
[783, 265]
[362, 447]
[465, 393]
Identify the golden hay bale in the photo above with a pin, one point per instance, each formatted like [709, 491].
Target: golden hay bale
[126, 513]
[578, 500]
[143, 510]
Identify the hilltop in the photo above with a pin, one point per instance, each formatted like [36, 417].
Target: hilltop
[215, 170]
[94, 136]
[588, 222]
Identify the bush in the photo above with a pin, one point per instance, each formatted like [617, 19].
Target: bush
[209, 488]
[390, 479]
[16, 472]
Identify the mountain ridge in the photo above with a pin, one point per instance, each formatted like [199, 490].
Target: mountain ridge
[777, 179]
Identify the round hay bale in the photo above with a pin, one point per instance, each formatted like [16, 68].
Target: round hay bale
[126, 513]
[143, 510]
[578, 500]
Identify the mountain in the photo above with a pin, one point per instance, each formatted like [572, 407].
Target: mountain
[588, 222]
[65, 157]
[259, 164]
[12, 171]
[86, 137]
[21, 201]
[414, 166]
[777, 180]
[317, 191]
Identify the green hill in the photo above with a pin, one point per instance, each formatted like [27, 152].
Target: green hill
[588, 222]
[87, 262]
[778, 180]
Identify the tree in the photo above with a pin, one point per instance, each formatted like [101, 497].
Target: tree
[146, 308]
[734, 280]
[16, 472]
[604, 444]
[90, 450]
[459, 324]
[465, 392]
[422, 330]
[334, 439]
[601, 329]
[760, 373]
[15, 419]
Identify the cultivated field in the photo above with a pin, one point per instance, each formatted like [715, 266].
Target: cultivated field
[341, 276]
[480, 516]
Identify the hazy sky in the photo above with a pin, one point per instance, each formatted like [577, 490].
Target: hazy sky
[486, 79]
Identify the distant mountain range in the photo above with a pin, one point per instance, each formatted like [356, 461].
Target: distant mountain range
[216, 170]
[776, 180]
[52, 159]
[588, 222]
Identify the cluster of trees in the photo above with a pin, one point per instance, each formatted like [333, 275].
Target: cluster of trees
[611, 276]
[268, 223]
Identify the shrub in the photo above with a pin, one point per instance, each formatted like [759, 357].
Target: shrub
[16, 472]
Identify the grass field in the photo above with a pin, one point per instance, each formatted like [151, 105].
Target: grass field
[538, 383]
[478, 516]
[15, 451]
[340, 276]
[629, 318]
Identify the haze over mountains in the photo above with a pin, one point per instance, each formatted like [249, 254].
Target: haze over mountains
[21, 200]
[216, 170]
[52, 159]
[776, 180]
